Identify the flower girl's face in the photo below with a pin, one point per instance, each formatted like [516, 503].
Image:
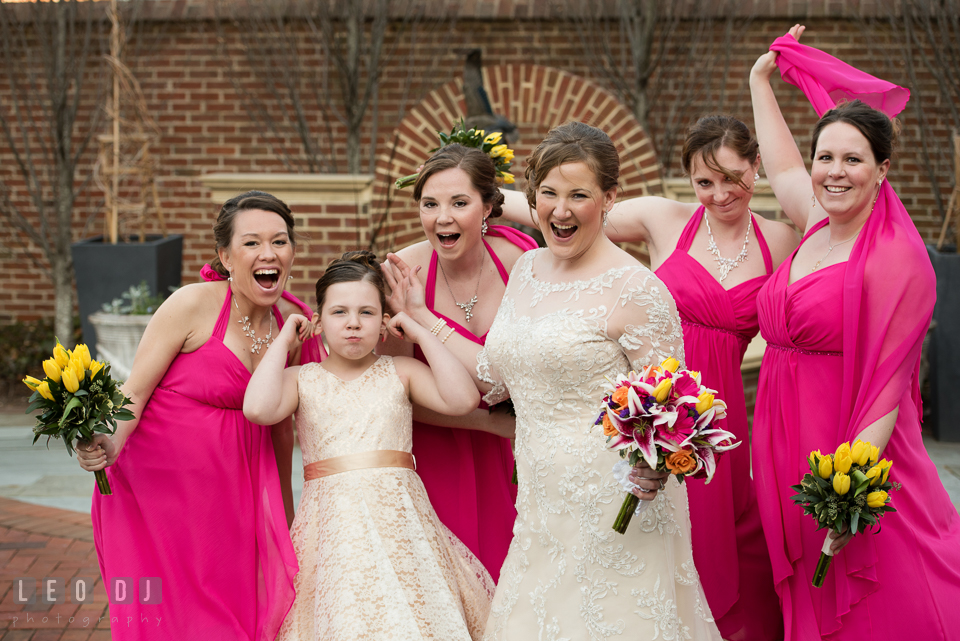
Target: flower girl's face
[570, 206]
[351, 319]
[452, 212]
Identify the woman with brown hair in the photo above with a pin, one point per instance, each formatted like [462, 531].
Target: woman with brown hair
[714, 256]
[197, 502]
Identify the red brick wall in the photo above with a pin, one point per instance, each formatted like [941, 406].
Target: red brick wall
[189, 89]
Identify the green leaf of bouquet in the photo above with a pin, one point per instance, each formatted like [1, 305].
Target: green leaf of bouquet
[854, 522]
[35, 406]
[890, 508]
[81, 392]
[72, 404]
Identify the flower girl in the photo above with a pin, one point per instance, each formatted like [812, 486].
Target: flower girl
[375, 561]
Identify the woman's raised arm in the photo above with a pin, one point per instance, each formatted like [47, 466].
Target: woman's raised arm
[782, 160]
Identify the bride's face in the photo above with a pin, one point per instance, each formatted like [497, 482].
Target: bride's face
[570, 206]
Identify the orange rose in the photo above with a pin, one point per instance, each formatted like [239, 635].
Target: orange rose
[620, 396]
[608, 428]
[681, 462]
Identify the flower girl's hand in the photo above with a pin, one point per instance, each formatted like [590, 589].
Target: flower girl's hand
[404, 327]
[406, 290]
[295, 330]
[98, 454]
[767, 63]
[649, 480]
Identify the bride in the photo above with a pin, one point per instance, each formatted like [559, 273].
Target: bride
[573, 316]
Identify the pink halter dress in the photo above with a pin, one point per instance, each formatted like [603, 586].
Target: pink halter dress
[728, 546]
[467, 472]
[196, 504]
[901, 581]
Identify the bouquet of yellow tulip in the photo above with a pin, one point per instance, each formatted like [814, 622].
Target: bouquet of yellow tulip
[667, 417]
[487, 143]
[77, 399]
[846, 490]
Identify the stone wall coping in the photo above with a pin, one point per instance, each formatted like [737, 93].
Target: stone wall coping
[301, 189]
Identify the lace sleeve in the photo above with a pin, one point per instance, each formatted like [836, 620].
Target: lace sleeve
[489, 375]
[646, 322]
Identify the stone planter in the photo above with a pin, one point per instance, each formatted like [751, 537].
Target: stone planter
[118, 336]
[104, 270]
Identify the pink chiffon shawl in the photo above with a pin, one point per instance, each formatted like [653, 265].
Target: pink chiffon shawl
[196, 503]
[728, 545]
[467, 472]
[888, 294]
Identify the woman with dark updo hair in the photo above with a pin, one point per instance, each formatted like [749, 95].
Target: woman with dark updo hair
[197, 502]
[844, 318]
[466, 463]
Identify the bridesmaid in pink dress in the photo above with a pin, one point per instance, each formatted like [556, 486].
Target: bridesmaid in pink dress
[716, 298]
[466, 462]
[196, 498]
[844, 320]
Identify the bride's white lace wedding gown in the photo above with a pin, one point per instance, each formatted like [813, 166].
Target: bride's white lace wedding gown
[568, 575]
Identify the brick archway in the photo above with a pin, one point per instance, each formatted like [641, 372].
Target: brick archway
[536, 99]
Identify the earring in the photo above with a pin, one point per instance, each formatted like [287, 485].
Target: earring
[756, 178]
[813, 200]
[483, 227]
[230, 277]
[605, 214]
[880, 181]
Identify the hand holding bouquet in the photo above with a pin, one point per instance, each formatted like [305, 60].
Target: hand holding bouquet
[665, 416]
[489, 144]
[77, 399]
[845, 491]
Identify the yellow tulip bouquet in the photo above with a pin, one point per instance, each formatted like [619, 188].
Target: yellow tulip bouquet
[665, 416]
[487, 143]
[77, 398]
[845, 491]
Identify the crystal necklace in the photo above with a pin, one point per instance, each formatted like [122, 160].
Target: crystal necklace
[468, 306]
[726, 264]
[248, 331]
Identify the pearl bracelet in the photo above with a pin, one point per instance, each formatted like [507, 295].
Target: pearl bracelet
[437, 327]
[444, 339]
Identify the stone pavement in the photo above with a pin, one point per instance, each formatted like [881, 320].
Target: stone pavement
[45, 531]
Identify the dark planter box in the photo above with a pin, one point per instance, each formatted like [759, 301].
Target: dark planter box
[104, 271]
[945, 348]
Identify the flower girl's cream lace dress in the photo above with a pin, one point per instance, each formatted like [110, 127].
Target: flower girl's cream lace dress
[568, 575]
[375, 561]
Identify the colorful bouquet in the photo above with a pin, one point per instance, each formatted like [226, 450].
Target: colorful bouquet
[488, 143]
[77, 399]
[667, 417]
[845, 491]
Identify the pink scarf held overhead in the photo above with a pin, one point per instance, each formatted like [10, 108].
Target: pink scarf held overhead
[890, 287]
[312, 350]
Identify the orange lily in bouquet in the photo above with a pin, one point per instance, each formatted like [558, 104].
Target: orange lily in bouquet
[77, 399]
[667, 417]
[845, 491]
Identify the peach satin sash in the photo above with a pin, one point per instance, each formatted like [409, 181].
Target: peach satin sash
[360, 461]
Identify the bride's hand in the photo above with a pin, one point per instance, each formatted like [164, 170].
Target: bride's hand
[649, 480]
[406, 290]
